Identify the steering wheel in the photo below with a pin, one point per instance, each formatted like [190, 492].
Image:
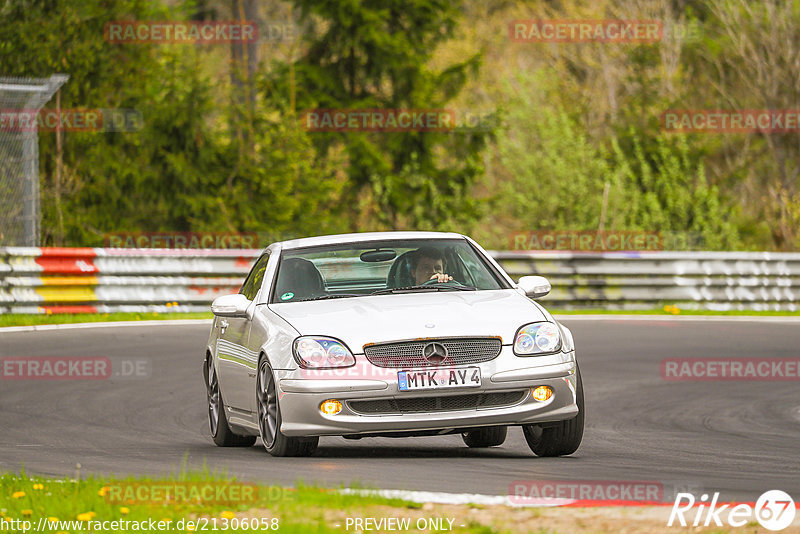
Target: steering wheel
[435, 281]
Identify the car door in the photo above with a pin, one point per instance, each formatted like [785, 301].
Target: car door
[237, 363]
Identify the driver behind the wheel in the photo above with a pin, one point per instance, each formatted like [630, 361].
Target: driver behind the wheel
[429, 265]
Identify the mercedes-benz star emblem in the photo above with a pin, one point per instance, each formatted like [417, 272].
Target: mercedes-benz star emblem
[435, 353]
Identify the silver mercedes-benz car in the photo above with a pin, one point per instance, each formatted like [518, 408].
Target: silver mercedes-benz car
[389, 334]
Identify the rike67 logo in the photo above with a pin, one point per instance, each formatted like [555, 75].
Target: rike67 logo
[774, 510]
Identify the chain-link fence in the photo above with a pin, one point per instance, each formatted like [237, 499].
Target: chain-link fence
[20, 100]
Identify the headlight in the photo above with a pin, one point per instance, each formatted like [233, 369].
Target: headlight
[317, 352]
[567, 342]
[537, 338]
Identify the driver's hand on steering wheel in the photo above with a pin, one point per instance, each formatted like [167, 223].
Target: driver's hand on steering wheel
[441, 277]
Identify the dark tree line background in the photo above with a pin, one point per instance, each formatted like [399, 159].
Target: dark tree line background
[572, 138]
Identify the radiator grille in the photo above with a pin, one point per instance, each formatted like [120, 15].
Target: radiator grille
[460, 351]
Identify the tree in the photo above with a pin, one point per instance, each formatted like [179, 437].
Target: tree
[757, 56]
[184, 169]
[375, 54]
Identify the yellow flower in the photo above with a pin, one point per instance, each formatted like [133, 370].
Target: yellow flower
[124, 510]
[86, 516]
[52, 519]
[103, 491]
[18, 494]
[227, 515]
[38, 486]
[26, 513]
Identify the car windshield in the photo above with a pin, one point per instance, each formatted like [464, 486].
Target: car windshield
[382, 267]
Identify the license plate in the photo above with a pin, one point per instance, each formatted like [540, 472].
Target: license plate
[469, 377]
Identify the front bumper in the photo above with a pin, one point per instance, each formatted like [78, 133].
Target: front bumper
[301, 396]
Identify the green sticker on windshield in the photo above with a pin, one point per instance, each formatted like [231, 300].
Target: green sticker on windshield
[287, 296]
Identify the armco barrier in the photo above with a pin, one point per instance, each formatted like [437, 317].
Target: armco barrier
[641, 280]
[89, 280]
[71, 280]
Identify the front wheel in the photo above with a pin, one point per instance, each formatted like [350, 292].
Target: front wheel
[269, 419]
[561, 438]
[221, 433]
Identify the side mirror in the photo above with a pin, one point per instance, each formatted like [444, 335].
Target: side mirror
[534, 286]
[230, 305]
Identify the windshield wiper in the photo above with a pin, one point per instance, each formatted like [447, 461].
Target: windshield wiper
[337, 296]
[434, 287]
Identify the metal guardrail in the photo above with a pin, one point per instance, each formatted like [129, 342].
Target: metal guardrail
[97, 280]
[719, 281]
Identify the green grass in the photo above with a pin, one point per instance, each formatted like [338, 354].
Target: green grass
[303, 509]
[64, 318]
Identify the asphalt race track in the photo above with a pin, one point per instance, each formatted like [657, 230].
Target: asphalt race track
[737, 437]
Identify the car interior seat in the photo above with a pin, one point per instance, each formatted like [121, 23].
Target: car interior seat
[301, 277]
[400, 274]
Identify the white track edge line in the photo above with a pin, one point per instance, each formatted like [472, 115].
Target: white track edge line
[451, 498]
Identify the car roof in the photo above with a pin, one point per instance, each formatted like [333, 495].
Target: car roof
[361, 237]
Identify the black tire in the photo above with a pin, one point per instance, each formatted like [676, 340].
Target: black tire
[221, 433]
[562, 438]
[490, 436]
[269, 419]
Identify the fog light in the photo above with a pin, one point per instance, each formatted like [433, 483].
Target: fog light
[542, 393]
[330, 407]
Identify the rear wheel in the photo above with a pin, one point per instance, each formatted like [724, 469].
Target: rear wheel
[561, 438]
[269, 419]
[221, 433]
[490, 436]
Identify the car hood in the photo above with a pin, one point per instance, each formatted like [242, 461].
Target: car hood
[361, 320]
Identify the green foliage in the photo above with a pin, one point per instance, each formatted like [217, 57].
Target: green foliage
[376, 54]
[557, 176]
[664, 190]
[182, 171]
[579, 118]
